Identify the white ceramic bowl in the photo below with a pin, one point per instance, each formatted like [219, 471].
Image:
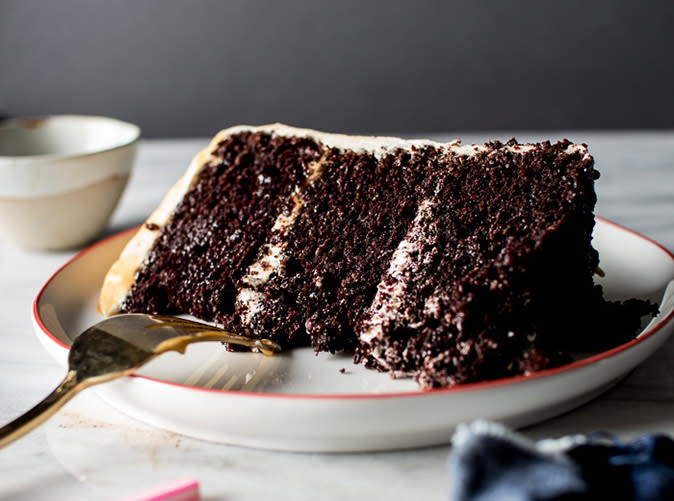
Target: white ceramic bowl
[61, 177]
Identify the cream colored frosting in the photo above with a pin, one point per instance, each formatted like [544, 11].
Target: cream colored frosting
[250, 300]
[386, 307]
[379, 145]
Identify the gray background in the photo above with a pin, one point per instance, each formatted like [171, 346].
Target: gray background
[189, 68]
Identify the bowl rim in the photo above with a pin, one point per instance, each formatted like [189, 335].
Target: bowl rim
[18, 122]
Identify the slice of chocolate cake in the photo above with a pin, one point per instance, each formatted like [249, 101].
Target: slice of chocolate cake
[446, 262]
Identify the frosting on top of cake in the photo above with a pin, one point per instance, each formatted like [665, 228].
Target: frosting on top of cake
[379, 145]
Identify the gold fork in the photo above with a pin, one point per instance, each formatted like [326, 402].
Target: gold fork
[116, 347]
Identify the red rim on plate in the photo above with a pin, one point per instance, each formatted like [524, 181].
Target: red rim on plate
[337, 396]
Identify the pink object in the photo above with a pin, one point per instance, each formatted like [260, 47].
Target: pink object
[184, 489]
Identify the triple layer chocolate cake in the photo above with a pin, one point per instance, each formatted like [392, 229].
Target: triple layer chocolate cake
[446, 262]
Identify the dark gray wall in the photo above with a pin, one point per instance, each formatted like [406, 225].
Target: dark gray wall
[189, 68]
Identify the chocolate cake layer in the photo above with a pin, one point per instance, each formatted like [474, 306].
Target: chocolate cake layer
[446, 262]
[505, 247]
[219, 226]
[338, 247]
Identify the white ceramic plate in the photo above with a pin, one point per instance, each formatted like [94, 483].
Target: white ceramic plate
[302, 402]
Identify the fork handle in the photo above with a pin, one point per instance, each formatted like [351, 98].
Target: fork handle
[30, 420]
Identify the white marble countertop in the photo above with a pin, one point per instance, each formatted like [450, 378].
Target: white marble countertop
[91, 451]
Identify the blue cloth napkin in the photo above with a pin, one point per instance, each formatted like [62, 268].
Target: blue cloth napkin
[488, 462]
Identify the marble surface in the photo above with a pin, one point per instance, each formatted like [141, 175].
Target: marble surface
[91, 451]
